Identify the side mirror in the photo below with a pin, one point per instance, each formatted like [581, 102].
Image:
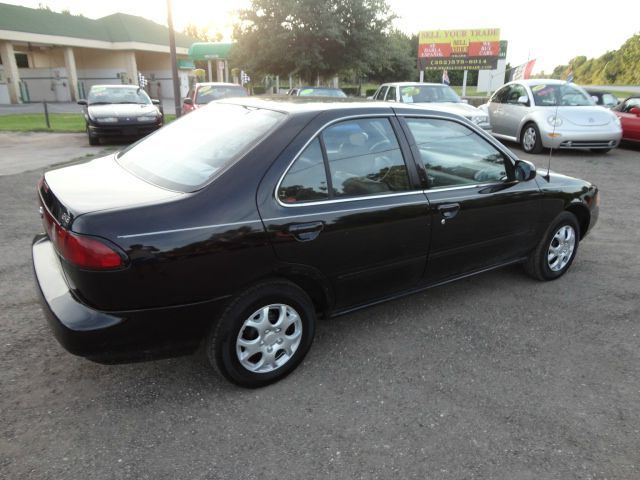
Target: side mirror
[188, 101]
[155, 101]
[82, 102]
[635, 111]
[525, 171]
[523, 100]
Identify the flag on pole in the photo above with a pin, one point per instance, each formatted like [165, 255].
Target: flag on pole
[523, 72]
[244, 78]
[445, 77]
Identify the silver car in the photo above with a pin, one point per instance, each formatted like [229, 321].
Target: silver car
[438, 96]
[553, 114]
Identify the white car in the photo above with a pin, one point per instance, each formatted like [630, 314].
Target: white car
[438, 96]
[547, 113]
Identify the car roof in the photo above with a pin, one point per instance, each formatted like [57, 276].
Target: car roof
[217, 84]
[539, 81]
[118, 85]
[349, 105]
[409, 84]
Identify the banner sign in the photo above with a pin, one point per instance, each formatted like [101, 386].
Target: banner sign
[473, 49]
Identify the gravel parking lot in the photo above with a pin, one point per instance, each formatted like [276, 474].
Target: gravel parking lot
[493, 377]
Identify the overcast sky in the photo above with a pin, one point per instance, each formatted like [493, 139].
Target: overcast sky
[552, 32]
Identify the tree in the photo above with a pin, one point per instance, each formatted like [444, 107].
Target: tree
[397, 61]
[201, 33]
[311, 37]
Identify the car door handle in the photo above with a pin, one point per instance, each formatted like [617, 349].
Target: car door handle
[305, 232]
[449, 211]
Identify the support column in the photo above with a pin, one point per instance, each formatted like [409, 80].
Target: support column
[219, 71]
[10, 70]
[72, 73]
[131, 67]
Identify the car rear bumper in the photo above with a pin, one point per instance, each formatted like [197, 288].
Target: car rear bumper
[115, 337]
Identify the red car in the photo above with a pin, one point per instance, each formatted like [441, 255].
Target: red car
[629, 114]
[202, 93]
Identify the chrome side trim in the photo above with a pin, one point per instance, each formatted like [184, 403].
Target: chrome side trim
[352, 199]
[346, 210]
[188, 229]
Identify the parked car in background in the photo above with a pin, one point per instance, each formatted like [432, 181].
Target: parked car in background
[544, 113]
[629, 114]
[202, 93]
[114, 111]
[606, 99]
[283, 210]
[434, 95]
[317, 92]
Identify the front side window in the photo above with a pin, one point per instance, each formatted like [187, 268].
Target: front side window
[365, 158]
[306, 180]
[515, 92]
[381, 93]
[391, 94]
[209, 140]
[501, 95]
[454, 155]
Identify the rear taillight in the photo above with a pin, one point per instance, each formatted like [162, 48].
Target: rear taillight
[81, 250]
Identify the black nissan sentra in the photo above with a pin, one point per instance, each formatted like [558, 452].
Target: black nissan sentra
[235, 227]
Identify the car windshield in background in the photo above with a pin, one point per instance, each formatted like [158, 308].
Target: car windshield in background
[558, 95]
[428, 94]
[321, 92]
[104, 95]
[187, 153]
[209, 93]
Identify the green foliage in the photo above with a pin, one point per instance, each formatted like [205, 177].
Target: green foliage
[616, 67]
[397, 60]
[307, 38]
[259, 90]
[351, 91]
[370, 92]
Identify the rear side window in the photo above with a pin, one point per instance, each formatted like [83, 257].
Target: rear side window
[306, 180]
[455, 155]
[365, 158]
[188, 153]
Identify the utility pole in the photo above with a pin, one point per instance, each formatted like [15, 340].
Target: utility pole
[174, 61]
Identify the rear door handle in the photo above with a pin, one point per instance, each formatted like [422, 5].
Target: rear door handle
[305, 232]
[449, 211]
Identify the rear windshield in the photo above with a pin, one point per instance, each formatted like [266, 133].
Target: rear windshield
[208, 93]
[104, 95]
[428, 94]
[321, 92]
[188, 153]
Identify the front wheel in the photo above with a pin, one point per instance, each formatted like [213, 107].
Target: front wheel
[554, 254]
[530, 138]
[263, 335]
[93, 140]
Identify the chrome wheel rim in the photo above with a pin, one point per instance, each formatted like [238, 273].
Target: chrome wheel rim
[529, 139]
[269, 338]
[561, 248]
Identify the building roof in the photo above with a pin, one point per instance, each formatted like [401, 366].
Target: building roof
[118, 27]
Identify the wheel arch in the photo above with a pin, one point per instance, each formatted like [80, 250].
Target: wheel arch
[583, 215]
[312, 282]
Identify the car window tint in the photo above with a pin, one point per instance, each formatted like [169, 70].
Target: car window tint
[515, 92]
[380, 94]
[365, 158]
[209, 140]
[454, 155]
[609, 100]
[306, 180]
[501, 95]
[391, 94]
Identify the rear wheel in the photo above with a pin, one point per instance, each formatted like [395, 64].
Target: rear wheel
[530, 138]
[263, 335]
[558, 247]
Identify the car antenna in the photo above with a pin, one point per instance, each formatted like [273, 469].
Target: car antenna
[547, 177]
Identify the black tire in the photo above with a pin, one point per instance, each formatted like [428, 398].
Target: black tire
[93, 141]
[222, 345]
[538, 265]
[531, 144]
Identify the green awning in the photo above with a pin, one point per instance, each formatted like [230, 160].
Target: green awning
[186, 64]
[210, 51]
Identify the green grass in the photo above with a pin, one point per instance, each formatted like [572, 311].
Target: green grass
[60, 122]
[35, 122]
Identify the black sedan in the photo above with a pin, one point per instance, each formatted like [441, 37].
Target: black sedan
[276, 212]
[119, 111]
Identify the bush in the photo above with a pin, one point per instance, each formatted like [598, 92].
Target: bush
[258, 90]
[351, 91]
[371, 91]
